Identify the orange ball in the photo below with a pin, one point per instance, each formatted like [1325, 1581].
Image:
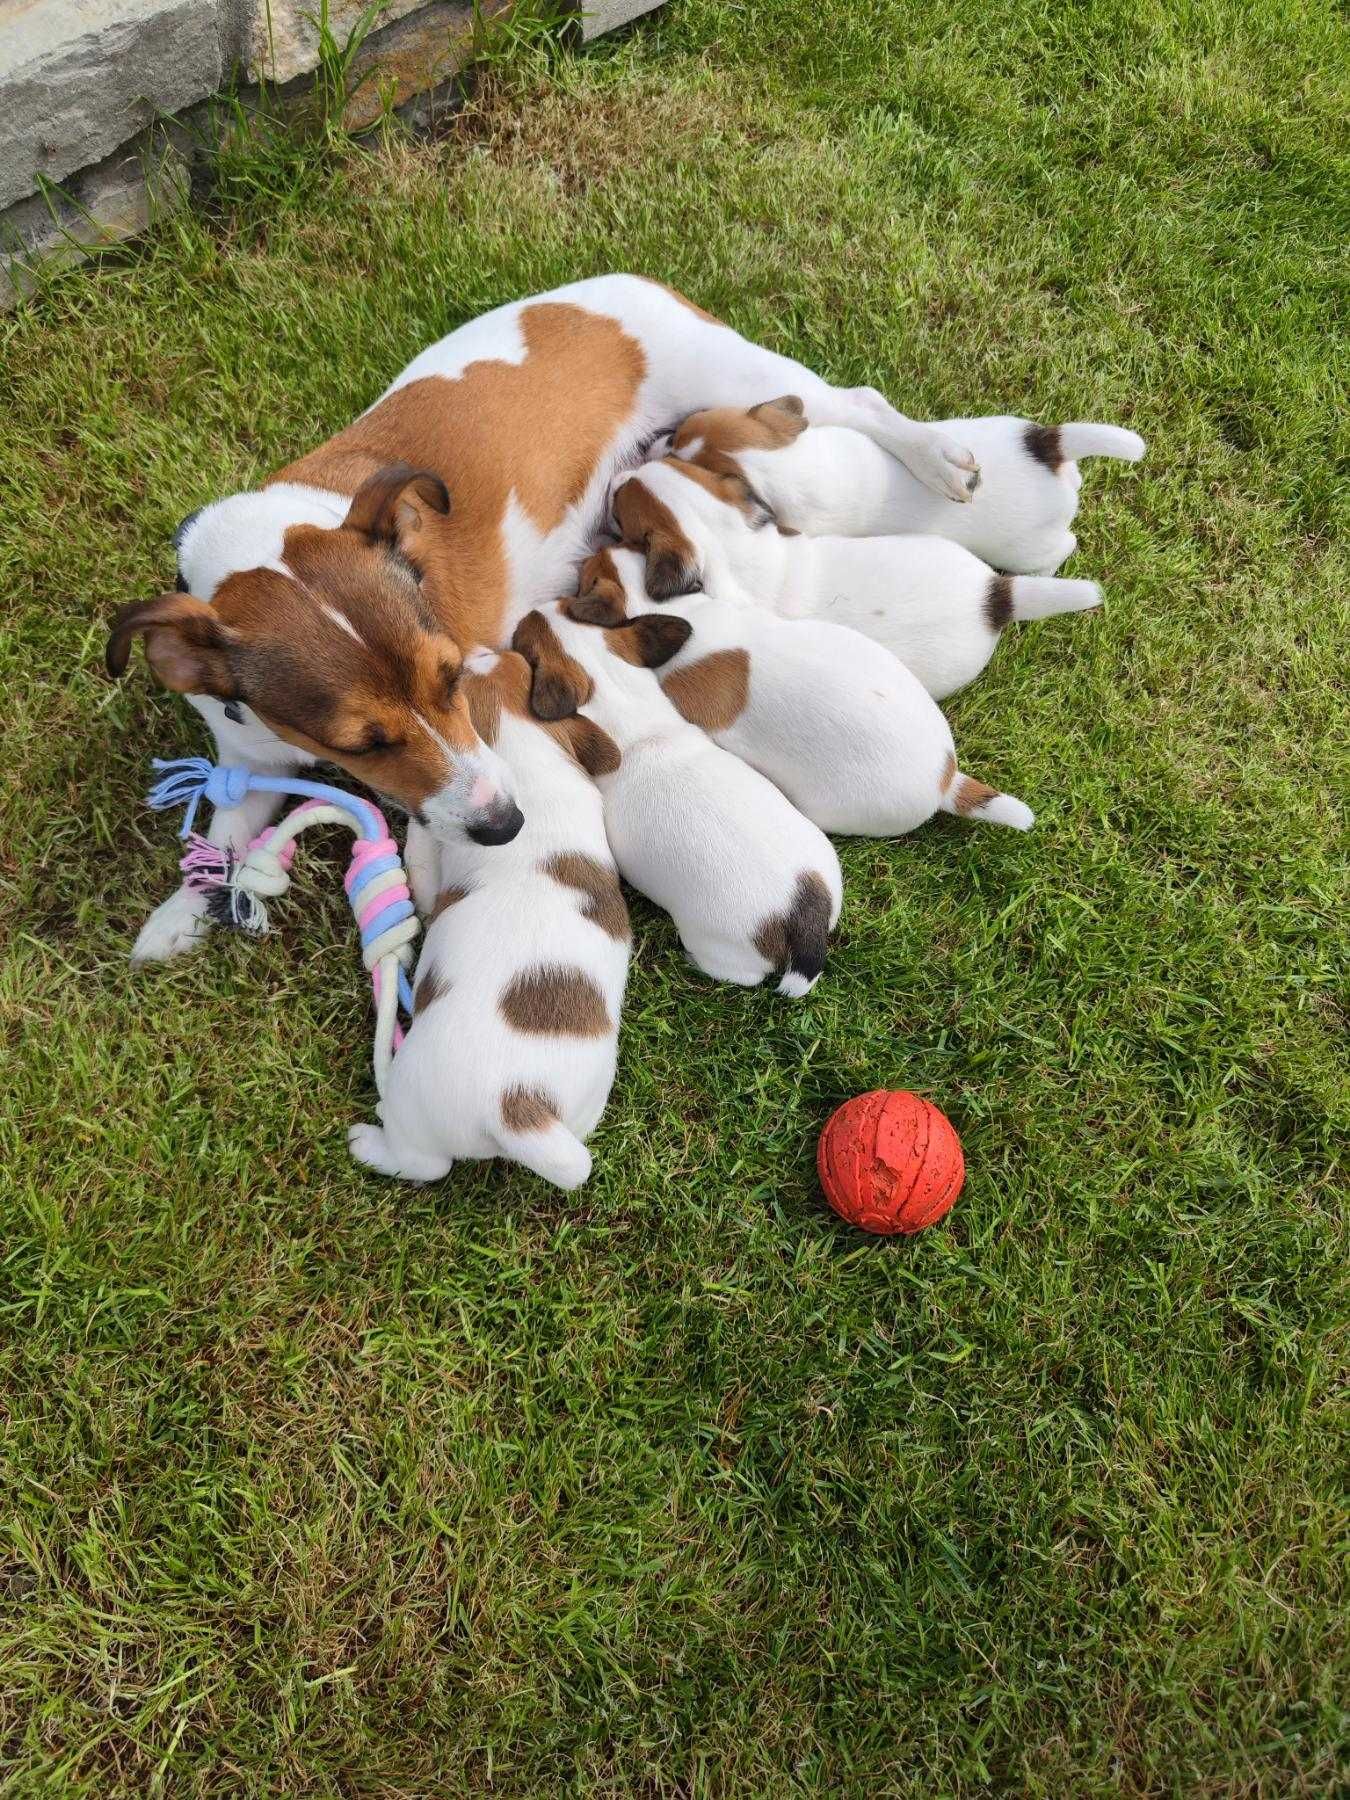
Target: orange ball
[890, 1162]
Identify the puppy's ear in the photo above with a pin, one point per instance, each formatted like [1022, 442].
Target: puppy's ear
[596, 608]
[560, 683]
[185, 644]
[593, 748]
[383, 504]
[785, 417]
[651, 640]
[649, 525]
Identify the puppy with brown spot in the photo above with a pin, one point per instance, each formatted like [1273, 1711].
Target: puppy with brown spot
[832, 481]
[512, 1046]
[834, 720]
[930, 602]
[753, 887]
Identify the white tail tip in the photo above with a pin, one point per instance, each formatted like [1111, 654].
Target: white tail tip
[1042, 596]
[1006, 809]
[795, 985]
[1083, 439]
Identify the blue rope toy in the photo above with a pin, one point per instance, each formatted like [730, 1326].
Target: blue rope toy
[236, 886]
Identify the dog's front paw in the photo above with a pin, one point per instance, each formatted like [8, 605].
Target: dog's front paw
[173, 928]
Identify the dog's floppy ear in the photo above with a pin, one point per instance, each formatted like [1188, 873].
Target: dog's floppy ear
[651, 639]
[650, 526]
[185, 644]
[784, 417]
[595, 609]
[593, 748]
[560, 683]
[600, 597]
[382, 506]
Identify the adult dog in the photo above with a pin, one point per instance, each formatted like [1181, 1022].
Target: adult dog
[326, 616]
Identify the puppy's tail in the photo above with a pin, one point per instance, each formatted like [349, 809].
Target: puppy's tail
[1081, 439]
[1036, 597]
[554, 1153]
[796, 941]
[971, 799]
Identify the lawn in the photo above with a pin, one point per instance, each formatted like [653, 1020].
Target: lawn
[317, 1485]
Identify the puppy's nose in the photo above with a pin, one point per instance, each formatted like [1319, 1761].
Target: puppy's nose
[498, 825]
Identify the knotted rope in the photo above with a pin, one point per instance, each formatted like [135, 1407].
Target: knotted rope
[237, 887]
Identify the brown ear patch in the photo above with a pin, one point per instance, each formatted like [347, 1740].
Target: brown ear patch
[598, 884]
[560, 683]
[557, 1001]
[527, 1109]
[186, 644]
[721, 476]
[593, 748]
[649, 525]
[484, 701]
[712, 692]
[771, 425]
[382, 503]
[596, 609]
[431, 987]
[650, 640]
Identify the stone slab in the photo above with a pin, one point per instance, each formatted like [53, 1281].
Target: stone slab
[600, 16]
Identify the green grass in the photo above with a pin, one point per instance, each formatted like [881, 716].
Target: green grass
[317, 1485]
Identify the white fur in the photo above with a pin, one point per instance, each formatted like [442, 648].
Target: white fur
[444, 1097]
[691, 363]
[694, 829]
[836, 482]
[925, 598]
[834, 720]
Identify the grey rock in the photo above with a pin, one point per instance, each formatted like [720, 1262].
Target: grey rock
[600, 16]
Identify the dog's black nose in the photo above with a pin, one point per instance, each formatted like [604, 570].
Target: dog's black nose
[499, 827]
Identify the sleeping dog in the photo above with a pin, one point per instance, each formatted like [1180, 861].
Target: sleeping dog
[753, 887]
[833, 719]
[930, 602]
[831, 481]
[512, 1045]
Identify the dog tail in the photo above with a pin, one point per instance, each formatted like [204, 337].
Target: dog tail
[796, 941]
[971, 799]
[1082, 439]
[1037, 597]
[552, 1152]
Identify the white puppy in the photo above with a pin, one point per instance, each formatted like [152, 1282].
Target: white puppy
[834, 720]
[753, 887]
[512, 1046]
[931, 603]
[832, 481]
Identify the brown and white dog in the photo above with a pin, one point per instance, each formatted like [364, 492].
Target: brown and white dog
[834, 720]
[930, 602]
[830, 481]
[520, 982]
[326, 616]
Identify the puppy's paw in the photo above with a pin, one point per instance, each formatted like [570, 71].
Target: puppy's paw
[369, 1145]
[176, 926]
[944, 465]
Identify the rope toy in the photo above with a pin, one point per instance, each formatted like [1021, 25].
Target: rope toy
[238, 887]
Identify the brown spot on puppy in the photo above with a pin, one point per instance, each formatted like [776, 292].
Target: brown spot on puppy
[560, 683]
[798, 938]
[555, 1001]
[998, 602]
[431, 987]
[526, 1109]
[602, 901]
[948, 771]
[593, 748]
[728, 429]
[1043, 446]
[723, 479]
[649, 640]
[971, 795]
[600, 597]
[448, 897]
[649, 525]
[712, 692]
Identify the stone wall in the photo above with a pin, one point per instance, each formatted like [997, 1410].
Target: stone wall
[82, 83]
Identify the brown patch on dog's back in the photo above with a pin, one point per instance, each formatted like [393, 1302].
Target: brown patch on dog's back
[1043, 446]
[431, 987]
[998, 602]
[557, 1001]
[713, 692]
[598, 883]
[526, 1109]
[798, 938]
[536, 429]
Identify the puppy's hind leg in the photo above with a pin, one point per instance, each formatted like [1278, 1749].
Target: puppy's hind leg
[555, 1154]
[371, 1145]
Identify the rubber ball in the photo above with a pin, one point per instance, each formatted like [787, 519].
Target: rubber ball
[890, 1162]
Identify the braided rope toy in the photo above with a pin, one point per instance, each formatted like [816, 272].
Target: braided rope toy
[237, 887]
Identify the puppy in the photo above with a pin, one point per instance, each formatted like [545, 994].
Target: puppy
[831, 481]
[512, 1045]
[753, 887]
[835, 721]
[930, 602]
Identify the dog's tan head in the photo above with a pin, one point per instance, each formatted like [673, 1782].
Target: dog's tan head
[562, 685]
[336, 648]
